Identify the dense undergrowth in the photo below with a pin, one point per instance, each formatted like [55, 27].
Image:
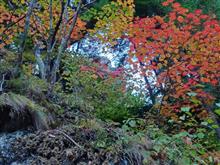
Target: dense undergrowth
[87, 94]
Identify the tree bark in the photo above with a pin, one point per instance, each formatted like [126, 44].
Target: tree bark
[50, 43]
[63, 45]
[40, 62]
[25, 33]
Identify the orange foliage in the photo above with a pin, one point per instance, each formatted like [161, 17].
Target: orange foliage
[79, 31]
[12, 23]
[184, 48]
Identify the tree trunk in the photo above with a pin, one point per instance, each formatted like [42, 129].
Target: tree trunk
[25, 33]
[63, 46]
[40, 62]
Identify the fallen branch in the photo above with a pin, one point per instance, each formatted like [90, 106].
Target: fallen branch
[70, 139]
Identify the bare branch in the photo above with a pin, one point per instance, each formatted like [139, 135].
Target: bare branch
[70, 139]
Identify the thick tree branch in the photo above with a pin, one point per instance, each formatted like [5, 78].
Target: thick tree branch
[64, 42]
[49, 42]
[25, 33]
[57, 27]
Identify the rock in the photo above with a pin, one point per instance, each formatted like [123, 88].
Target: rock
[18, 112]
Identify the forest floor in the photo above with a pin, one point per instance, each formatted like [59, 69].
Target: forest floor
[86, 142]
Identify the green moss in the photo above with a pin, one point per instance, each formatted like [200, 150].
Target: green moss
[30, 86]
[19, 103]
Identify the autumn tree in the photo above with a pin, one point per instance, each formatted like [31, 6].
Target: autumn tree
[50, 26]
[182, 50]
[113, 20]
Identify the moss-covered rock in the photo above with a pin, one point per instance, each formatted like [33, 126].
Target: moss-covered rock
[17, 111]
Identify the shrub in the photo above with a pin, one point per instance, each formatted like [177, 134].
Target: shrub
[93, 87]
[155, 146]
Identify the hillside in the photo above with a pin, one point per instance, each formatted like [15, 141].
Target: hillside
[109, 82]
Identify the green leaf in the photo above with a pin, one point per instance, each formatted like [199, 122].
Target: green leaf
[204, 123]
[185, 160]
[157, 148]
[185, 109]
[193, 153]
[181, 134]
[192, 93]
[217, 111]
[210, 121]
[188, 113]
[215, 126]
[195, 101]
[200, 85]
[200, 135]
